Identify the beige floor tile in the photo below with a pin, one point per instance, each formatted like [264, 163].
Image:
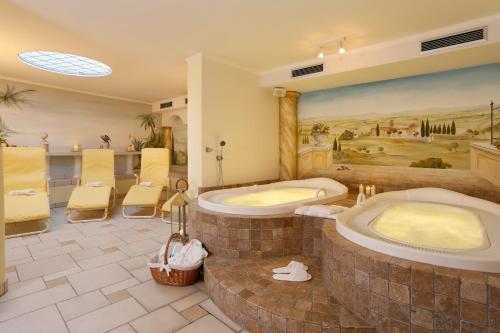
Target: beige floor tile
[118, 296]
[102, 260]
[97, 278]
[164, 320]
[45, 267]
[152, 295]
[194, 313]
[44, 246]
[46, 320]
[57, 275]
[21, 241]
[55, 251]
[123, 329]
[138, 235]
[77, 306]
[142, 274]
[23, 288]
[189, 301]
[97, 240]
[17, 253]
[120, 286]
[35, 301]
[86, 253]
[201, 285]
[10, 262]
[140, 247]
[56, 282]
[207, 324]
[214, 310]
[134, 263]
[12, 277]
[107, 318]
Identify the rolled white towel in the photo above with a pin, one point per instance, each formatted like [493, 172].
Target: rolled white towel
[146, 184]
[94, 184]
[322, 210]
[28, 192]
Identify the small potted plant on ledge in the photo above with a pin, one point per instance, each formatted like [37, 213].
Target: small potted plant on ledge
[320, 132]
[106, 140]
[496, 143]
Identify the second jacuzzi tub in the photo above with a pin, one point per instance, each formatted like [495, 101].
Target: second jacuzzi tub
[271, 199]
[430, 225]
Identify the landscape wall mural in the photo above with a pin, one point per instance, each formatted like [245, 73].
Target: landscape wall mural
[421, 121]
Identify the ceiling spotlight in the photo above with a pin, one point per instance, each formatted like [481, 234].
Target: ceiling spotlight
[341, 49]
[321, 55]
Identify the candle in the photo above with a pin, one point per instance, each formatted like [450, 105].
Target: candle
[367, 189]
[372, 190]
[76, 147]
[361, 188]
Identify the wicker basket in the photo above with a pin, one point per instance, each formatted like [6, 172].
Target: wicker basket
[175, 277]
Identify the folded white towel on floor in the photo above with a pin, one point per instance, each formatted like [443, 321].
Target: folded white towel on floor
[94, 184]
[320, 210]
[146, 184]
[297, 275]
[23, 192]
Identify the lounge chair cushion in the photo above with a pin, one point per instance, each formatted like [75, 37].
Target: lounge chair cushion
[20, 208]
[143, 196]
[87, 197]
[167, 205]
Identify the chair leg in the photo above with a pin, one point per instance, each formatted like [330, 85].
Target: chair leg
[127, 216]
[71, 220]
[45, 229]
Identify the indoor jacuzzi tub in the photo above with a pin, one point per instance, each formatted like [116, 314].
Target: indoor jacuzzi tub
[429, 225]
[276, 198]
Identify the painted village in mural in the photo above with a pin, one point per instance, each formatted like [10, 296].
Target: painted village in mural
[425, 121]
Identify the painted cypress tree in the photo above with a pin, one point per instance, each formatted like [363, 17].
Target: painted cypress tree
[377, 130]
[335, 144]
[339, 147]
[439, 129]
[427, 130]
[448, 129]
[453, 128]
[422, 129]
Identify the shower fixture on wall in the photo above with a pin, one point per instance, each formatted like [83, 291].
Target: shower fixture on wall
[219, 158]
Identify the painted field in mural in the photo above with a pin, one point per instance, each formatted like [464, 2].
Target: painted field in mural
[421, 121]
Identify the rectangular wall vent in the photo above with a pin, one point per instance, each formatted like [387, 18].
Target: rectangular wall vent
[474, 35]
[307, 70]
[166, 105]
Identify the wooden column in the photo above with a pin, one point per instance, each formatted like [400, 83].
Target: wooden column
[167, 140]
[288, 135]
[3, 278]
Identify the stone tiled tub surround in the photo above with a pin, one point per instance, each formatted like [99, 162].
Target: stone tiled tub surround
[397, 295]
[245, 291]
[242, 236]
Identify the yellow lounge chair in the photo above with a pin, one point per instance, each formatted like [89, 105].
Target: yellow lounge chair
[98, 169]
[155, 164]
[25, 169]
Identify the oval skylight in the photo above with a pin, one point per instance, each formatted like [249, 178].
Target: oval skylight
[64, 63]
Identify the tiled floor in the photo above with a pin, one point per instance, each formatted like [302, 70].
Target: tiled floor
[93, 277]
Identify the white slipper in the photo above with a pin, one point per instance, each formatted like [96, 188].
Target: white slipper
[290, 267]
[299, 275]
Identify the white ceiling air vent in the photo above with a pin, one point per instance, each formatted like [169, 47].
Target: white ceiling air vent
[170, 104]
[298, 72]
[454, 40]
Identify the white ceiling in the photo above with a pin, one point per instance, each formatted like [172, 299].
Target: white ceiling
[146, 41]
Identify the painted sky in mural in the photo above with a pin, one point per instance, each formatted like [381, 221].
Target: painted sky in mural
[421, 121]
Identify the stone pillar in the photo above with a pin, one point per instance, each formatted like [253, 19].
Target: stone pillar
[167, 139]
[288, 135]
[3, 278]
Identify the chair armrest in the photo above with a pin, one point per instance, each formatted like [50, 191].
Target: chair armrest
[137, 178]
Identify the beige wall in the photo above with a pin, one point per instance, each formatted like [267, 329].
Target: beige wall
[70, 117]
[226, 103]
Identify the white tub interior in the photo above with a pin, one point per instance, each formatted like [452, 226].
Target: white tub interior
[276, 198]
[429, 225]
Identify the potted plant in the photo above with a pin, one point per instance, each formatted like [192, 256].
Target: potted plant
[106, 140]
[11, 98]
[320, 132]
[497, 144]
